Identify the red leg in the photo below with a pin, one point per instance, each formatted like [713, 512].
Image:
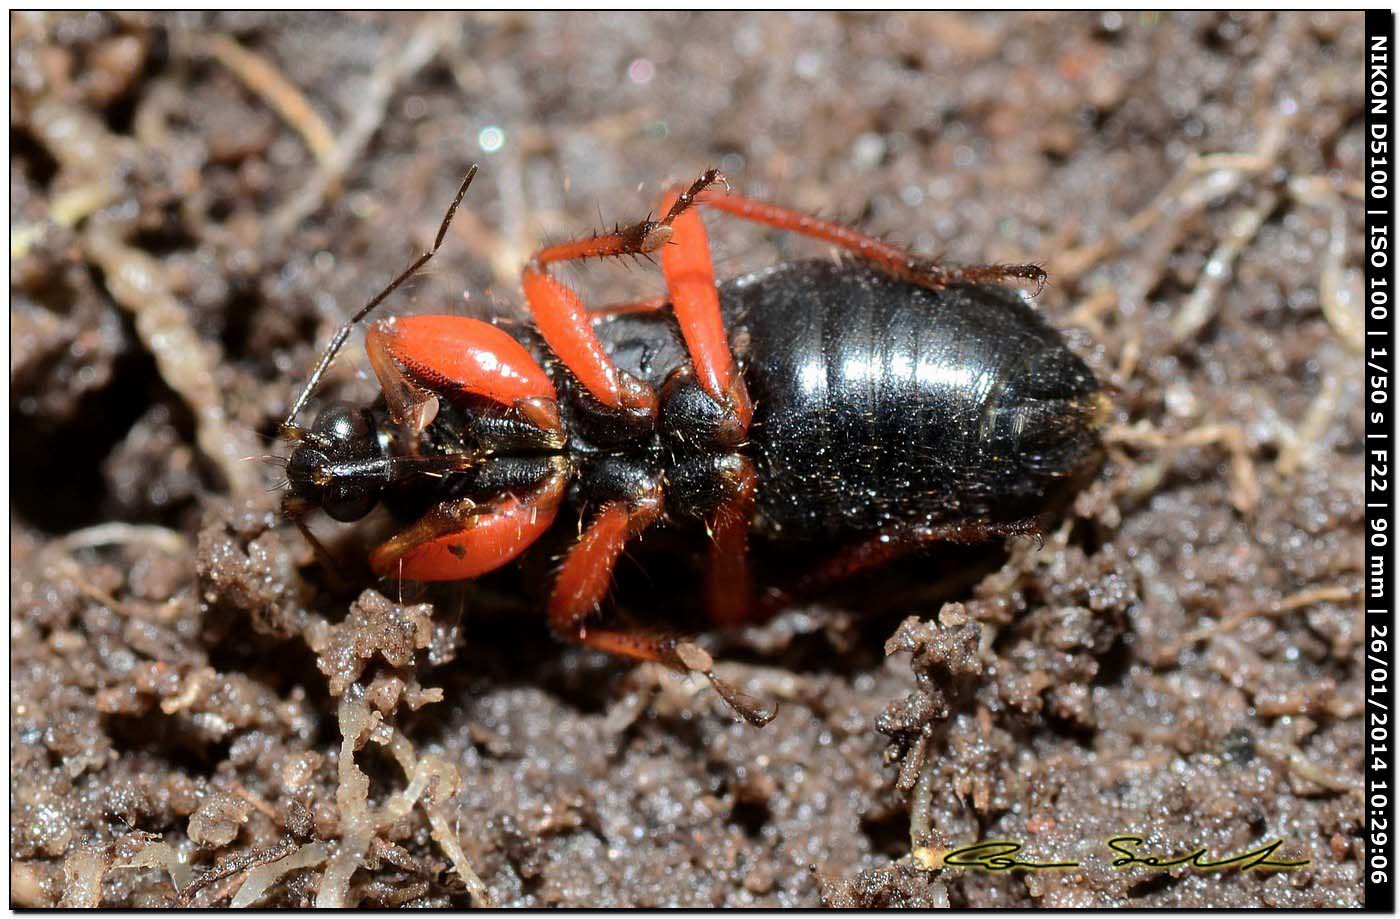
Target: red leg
[459, 539]
[583, 583]
[564, 322]
[417, 356]
[289, 427]
[690, 278]
[584, 579]
[560, 315]
[889, 257]
[882, 549]
[567, 329]
[729, 597]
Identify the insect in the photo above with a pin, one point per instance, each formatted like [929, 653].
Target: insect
[866, 408]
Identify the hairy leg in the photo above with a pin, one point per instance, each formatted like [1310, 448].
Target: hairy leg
[893, 259]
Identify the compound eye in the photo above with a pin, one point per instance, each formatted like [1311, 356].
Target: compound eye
[345, 426]
[348, 501]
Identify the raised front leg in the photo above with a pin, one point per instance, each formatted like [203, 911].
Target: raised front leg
[566, 323]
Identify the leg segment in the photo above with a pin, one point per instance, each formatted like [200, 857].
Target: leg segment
[690, 278]
[567, 329]
[416, 357]
[296, 510]
[884, 548]
[460, 539]
[584, 580]
[560, 315]
[891, 258]
[729, 596]
[583, 583]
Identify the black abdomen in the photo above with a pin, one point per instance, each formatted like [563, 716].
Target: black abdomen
[882, 403]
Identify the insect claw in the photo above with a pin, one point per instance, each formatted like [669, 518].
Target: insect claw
[749, 708]
[698, 660]
[1037, 276]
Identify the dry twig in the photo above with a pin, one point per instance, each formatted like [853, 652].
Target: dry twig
[267, 82]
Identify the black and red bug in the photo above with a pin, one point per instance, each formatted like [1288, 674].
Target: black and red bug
[868, 407]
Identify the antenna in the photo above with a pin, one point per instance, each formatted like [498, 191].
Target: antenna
[289, 427]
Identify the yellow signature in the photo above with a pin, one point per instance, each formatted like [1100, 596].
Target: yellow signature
[997, 855]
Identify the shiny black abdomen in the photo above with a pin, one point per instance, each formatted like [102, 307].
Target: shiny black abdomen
[881, 403]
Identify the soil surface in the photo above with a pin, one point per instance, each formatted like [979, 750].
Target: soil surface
[202, 714]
